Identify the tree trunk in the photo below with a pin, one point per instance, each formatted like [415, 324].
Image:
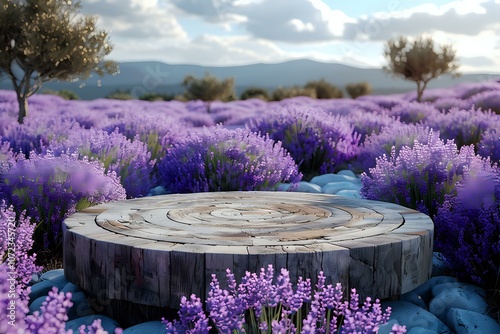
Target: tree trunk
[420, 92]
[22, 99]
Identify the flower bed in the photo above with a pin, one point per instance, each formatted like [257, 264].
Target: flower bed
[438, 174]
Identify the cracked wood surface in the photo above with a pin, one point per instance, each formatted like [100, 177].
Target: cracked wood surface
[154, 250]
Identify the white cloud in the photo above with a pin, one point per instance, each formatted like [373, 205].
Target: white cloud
[467, 17]
[134, 19]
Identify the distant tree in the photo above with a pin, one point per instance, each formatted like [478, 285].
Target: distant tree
[324, 89]
[45, 40]
[358, 89]
[64, 93]
[282, 93]
[255, 93]
[120, 95]
[209, 89]
[156, 97]
[419, 61]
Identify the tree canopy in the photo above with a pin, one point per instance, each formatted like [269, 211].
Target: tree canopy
[419, 61]
[46, 40]
[209, 89]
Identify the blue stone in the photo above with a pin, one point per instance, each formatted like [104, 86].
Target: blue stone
[81, 307]
[152, 327]
[425, 290]
[470, 322]
[42, 289]
[324, 179]
[413, 298]
[412, 316]
[56, 276]
[307, 187]
[107, 323]
[456, 298]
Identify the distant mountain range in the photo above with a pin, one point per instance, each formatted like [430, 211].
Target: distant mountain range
[147, 77]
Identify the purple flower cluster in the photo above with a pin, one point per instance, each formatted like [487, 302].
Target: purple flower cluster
[318, 142]
[413, 112]
[16, 234]
[36, 132]
[419, 177]
[465, 127]
[219, 159]
[130, 160]
[16, 270]
[472, 216]
[51, 188]
[13, 305]
[156, 131]
[489, 146]
[259, 305]
[395, 136]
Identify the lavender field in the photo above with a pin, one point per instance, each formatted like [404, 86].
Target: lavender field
[440, 157]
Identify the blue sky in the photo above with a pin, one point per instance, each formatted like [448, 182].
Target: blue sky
[239, 32]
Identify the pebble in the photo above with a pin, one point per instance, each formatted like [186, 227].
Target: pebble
[411, 315]
[307, 187]
[108, 324]
[454, 297]
[469, 322]
[146, 327]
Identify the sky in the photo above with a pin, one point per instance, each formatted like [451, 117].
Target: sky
[241, 32]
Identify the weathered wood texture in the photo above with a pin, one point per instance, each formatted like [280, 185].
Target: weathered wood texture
[154, 250]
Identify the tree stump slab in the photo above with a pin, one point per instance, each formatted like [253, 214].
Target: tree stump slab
[154, 250]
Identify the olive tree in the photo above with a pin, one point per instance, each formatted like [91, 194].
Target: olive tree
[419, 61]
[209, 89]
[358, 89]
[46, 40]
[324, 89]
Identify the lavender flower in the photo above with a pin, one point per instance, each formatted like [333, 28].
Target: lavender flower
[51, 188]
[36, 133]
[472, 215]
[130, 160]
[413, 112]
[419, 177]
[486, 101]
[278, 308]
[318, 142]
[17, 234]
[53, 315]
[397, 136]
[218, 159]
[489, 146]
[465, 127]
[157, 131]
[13, 309]
[192, 318]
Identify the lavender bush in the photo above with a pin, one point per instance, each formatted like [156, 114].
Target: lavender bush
[219, 159]
[489, 146]
[17, 266]
[486, 100]
[51, 188]
[419, 177]
[472, 216]
[158, 132]
[16, 243]
[391, 137]
[257, 305]
[36, 132]
[413, 112]
[130, 160]
[366, 126]
[318, 142]
[465, 127]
